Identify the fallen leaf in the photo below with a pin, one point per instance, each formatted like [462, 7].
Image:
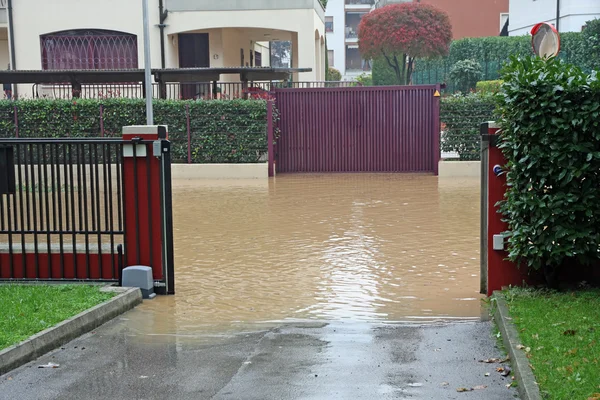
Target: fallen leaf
[444, 384]
[9, 378]
[460, 390]
[532, 367]
[490, 360]
[558, 323]
[480, 387]
[539, 348]
[143, 377]
[508, 385]
[569, 332]
[572, 352]
[500, 369]
[520, 347]
[487, 374]
[536, 336]
[49, 365]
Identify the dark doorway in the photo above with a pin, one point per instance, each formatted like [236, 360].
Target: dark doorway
[194, 52]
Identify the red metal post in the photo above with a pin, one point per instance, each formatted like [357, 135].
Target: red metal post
[142, 200]
[270, 138]
[500, 272]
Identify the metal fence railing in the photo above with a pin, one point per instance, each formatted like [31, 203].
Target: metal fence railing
[174, 91]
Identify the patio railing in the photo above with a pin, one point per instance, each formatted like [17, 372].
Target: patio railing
[175, 91]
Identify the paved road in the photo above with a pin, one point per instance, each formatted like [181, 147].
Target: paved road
[294, 361]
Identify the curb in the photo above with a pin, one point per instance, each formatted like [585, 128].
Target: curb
[51, 338]
[528, 387]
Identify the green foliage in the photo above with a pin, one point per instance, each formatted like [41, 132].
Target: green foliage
[591, 39]
[225, 131]
[465, 74]
[488, 87]
[461, 117]
[365, 79]
[550, 119]
[29, 309]
[333, 75]
[383, 74]
[492, 53]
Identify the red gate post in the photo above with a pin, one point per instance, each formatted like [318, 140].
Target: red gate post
[143, 199]
[500, 272]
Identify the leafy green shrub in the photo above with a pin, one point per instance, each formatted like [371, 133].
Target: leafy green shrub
[333, 75]
[550, 120]
[492, 53]
[591, 40]
[465, 74]
[383, 74]
[225, 131]
[365, 79]
[461, 117]
[488, 87]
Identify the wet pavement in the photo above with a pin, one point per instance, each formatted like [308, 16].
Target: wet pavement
[294, 361]
[304, 287]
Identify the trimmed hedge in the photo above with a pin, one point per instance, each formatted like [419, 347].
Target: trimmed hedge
[491, 53]
[550, 120]
[488, 87]
[461, 117]
[225, 131]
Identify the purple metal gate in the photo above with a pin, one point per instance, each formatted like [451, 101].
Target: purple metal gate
[360, 129]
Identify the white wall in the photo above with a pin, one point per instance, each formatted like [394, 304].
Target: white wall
[524, 14]
[336, 39]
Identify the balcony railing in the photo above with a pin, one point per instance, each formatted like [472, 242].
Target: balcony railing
[366, 3]
[175, 91]
[352, 35]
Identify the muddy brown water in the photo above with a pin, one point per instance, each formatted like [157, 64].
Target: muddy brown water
[362, 247]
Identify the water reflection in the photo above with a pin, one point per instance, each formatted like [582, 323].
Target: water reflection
[380, 247]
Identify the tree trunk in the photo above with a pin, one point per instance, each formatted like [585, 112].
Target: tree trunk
[404, 81]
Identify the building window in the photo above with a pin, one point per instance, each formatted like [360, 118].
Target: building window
[503, 19]
[89, 49]
[328, 24]
[257, 59]
[330, 58]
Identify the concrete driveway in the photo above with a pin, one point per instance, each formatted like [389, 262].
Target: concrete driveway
[292, 361]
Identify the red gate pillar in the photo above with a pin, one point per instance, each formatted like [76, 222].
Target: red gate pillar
[145, 204]
[497, 269]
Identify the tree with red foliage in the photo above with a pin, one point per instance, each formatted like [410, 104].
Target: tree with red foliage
[402, 32]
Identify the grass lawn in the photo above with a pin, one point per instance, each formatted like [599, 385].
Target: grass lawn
[28, 309]
[561, 332]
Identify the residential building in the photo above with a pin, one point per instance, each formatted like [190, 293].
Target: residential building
[108, 34]
[572, 14]
[341, 24]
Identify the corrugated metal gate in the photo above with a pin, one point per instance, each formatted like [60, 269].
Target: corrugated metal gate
[360, 129]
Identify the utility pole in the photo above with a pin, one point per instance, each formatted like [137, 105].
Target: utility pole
[147, 66]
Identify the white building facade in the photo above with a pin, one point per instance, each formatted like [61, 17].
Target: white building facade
[341, 25]
[573, 14]
[108, 34]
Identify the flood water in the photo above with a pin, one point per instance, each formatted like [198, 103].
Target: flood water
[361, 247]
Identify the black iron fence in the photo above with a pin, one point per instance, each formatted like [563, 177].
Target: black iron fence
[175, 91]
[63, 213]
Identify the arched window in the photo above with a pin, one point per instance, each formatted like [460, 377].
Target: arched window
[89, 49]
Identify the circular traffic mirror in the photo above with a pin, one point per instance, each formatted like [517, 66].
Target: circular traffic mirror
[545, 40]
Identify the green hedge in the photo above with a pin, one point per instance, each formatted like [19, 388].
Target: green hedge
[488, 87]
[461, 117]
[551, 140]
[226, 131]
[491, 53]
